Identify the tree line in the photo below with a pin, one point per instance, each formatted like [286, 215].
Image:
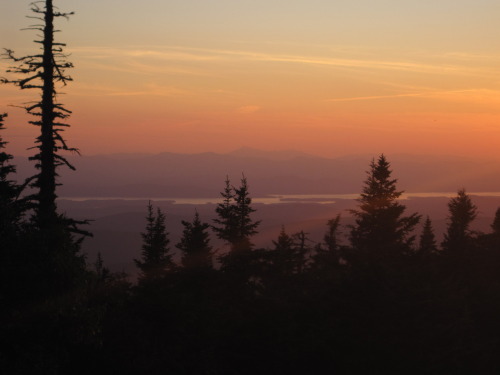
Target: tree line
[390, 300]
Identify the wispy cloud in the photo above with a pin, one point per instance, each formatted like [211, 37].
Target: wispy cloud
[194, 54]
[146, 90]
[445, 94]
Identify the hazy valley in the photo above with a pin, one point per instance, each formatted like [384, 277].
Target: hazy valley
[127, 181]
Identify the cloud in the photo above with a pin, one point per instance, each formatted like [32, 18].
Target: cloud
[446, 94]
[146, 90]
[148, 55]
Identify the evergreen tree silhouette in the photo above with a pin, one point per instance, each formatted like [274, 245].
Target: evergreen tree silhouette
[236, 227]
[12, 207]
[330, 238]
[380, 227]
[49, 239]
[495, 226]
[283, 255]
[235, 224]
[327, 255]
[195, 244]
[155, 253]
[43, 72]
[462, 212]
[227, 218]
[302, 248]
[427, 244]
[11, 211]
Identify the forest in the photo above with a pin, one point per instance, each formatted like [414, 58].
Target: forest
[391, 300]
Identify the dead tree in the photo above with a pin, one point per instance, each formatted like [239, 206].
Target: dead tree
[44, 71]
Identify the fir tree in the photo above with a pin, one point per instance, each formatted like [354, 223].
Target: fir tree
[495, 226]
[11, 207]
[427, 244]
[234, 217]
[301, 249]
[246, 226]
[462, 212]
[43, 71]
[48, 240]
[380, 226]
[327, 257]
[155, 254]
[330, 237]
[226, 228]
[283, 256]
[195, 244]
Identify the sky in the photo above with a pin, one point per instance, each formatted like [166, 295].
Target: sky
[327, 77]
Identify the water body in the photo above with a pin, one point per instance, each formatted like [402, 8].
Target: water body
[277, 199]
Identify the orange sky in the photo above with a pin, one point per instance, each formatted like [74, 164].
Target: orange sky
[329, 78]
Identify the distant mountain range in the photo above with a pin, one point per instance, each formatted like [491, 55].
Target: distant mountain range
[268, 172]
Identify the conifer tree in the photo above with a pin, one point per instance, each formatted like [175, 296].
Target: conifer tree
[327, 255]
[155, 254]
[43, 71]
[380, 227]
[301, 249]
[462, 212]
[330, 238]
[283, 255]
[234, 217]
[427, 244]
[49, 239]
[195, 244]
[226, 220]
[10, 214]
[247, 227]
[11, 207]
[495, 226]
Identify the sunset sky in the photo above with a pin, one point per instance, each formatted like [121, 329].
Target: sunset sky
[321, 76]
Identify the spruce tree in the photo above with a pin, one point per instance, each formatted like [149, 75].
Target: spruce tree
[427, 245]
[327, 255]
[155, 254]
[44, 71]
[11, 206]
[195, 244]
[495, 226]
[380, 228]
[459, 237]
[49, 240]
[302, 248]
[246, 226]
[283, 255]
[235, 224]
[226, 228]
[330, 238]
[236, 227]
[10, 214]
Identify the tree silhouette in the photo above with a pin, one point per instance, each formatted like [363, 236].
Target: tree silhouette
[427, 244]
[234, 217]
[155, 253]
[495, 226]
[48, 239]
[227, 219]
[43, 71]
[11, 206]
[330, 238]
[462, 212]
[195, 244]
[283, 255]
[327, 255]
[380, 226]
[11, 211]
